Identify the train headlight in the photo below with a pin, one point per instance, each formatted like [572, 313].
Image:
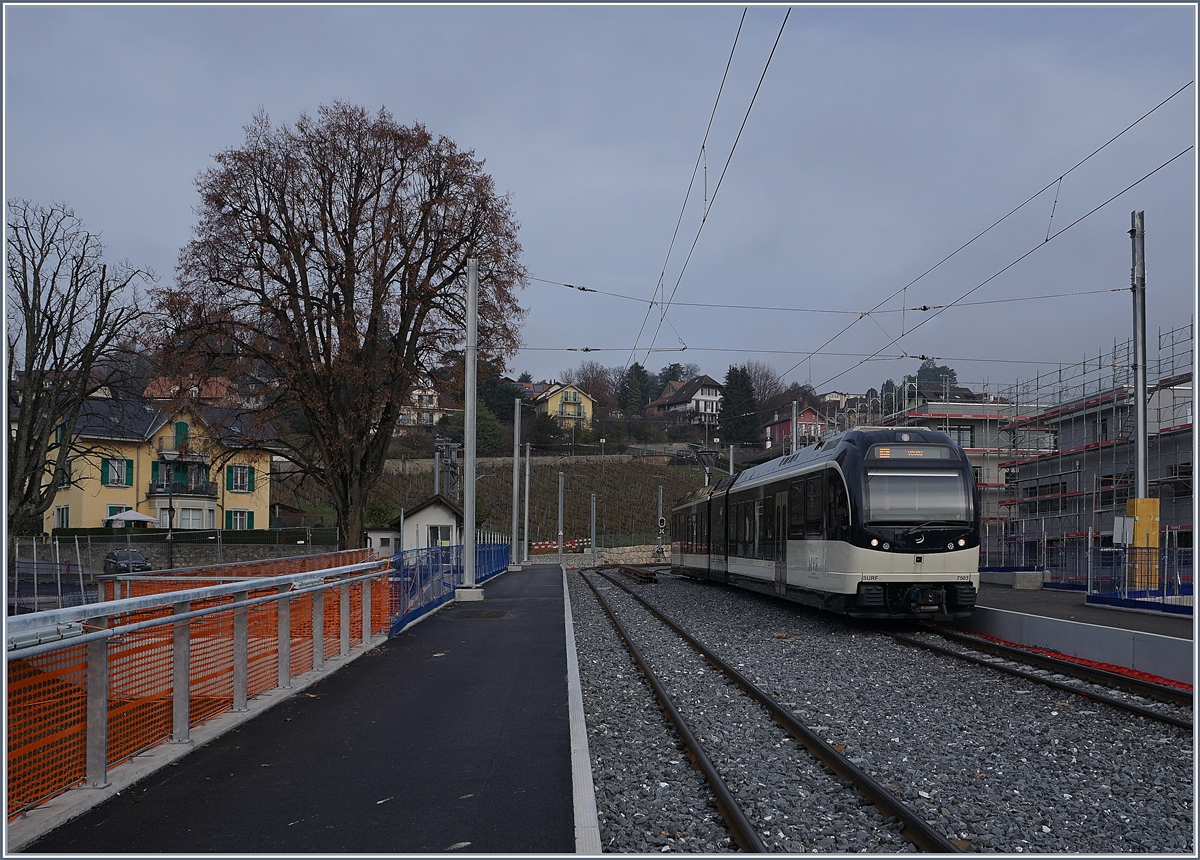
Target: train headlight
[874, 541]
[962, 541]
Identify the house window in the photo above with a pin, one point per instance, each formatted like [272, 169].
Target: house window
[385, 542]
[212, 519]
[62, 517]
[239, 520]
[64, 480]
[116, 472]
[191, 518]
[440, 535]
[239, 479]
[963, 434]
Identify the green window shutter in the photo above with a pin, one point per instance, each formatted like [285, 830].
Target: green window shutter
[104, 472]
[129, 473]
[250, 478]
[249, 519]
[207, 479]
[154, 472]
[181, 476]
[181, 433]
[229, 479]
[229, 519]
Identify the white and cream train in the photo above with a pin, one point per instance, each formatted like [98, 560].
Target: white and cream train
[874, 523]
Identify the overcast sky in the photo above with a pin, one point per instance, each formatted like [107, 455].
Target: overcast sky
[882, 139]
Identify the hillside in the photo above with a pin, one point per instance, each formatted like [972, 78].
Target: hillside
[626, 489]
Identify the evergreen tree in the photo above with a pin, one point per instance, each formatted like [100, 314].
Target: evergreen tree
[634, 388]
[490, 434]
[738, 416]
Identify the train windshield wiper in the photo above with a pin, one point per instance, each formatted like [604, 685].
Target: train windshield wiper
[926, 524]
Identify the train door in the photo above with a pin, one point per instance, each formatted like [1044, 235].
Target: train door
[781, 532]
[814, 528]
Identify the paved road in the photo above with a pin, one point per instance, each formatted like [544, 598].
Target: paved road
[453, 736]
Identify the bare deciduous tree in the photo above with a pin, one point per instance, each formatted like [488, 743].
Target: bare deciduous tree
[766, 381]
[331, 256]
[69, 318]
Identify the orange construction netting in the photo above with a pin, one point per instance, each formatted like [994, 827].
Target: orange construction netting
[47, 694]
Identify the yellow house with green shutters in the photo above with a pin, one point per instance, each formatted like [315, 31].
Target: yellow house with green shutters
[566, 404]
[178, 468]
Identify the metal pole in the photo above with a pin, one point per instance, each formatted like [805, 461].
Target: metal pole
[594, 557]
[1138, 233]
[79, 561]
[437, 472]
[525, 540]
[516, 492]
[731, 459]
[469, 434]
[560, 518]
[658, 550]
[795, 412]
[400, 539]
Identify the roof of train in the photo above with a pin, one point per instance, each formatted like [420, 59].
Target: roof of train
[821, 452]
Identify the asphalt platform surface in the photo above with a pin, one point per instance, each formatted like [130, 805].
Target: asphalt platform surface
[453, 736]
[1071, 606]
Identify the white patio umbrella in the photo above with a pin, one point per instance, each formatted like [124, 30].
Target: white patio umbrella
[131, 517]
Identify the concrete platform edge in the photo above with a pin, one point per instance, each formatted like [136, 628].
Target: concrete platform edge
[1165, 656]
[76, 801]
[587, 823]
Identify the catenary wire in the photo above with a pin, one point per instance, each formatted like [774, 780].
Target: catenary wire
[994, 224]
[997, 274]
[691, 182]
[833, 310]
[708, 208]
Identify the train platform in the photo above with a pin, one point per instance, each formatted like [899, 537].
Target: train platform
[454, 735]
[1069, 605]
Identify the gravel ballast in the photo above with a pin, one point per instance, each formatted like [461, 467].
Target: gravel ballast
[996, 763]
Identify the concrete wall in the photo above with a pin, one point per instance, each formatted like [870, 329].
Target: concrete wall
[184, 554]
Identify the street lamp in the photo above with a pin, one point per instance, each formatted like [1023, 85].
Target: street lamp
[170, 457]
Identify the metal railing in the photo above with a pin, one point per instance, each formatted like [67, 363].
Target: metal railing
[182, 488]
[424, 579]
[91, 686]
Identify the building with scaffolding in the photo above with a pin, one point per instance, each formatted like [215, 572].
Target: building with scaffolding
[1072, 451]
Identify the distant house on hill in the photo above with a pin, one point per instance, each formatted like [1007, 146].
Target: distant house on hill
[568, 405]
[811, 427]
[697, 401]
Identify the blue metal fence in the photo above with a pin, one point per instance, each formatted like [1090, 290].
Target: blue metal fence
[424, 579]
[1154, 578]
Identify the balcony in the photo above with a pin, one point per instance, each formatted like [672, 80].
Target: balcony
[191, 448]
[205, 489]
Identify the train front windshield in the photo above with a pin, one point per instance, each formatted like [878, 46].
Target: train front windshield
[916, 497]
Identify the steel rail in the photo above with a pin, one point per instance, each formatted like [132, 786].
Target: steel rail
[916, 829]
[740, 828]
[1148, 713]
[1137, 686]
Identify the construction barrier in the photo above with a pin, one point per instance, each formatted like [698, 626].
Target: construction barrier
[91, 686]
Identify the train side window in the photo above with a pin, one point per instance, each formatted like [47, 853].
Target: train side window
[814, 508]
[796, 510]
[766, 547]
[757, 529]
[747, 529]
[838, 511]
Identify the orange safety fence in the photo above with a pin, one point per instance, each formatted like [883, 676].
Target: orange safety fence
[47, 693]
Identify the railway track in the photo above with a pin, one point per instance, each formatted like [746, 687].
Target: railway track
[1041, 669]
[743, 831]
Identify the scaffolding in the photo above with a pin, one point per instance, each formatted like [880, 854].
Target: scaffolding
[1070, 438]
